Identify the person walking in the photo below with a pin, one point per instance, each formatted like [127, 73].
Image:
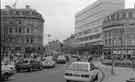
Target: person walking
[98, 73]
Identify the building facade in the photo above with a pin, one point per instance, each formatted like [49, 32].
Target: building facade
[119, 34]
[21, 29]
[88, 22]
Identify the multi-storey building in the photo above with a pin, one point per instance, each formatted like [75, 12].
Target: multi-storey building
[21, 29]
[119, 34]
[88, 22]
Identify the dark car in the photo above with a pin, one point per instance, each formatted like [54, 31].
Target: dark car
[36, 65]
[131, 80]
[23, 65]
[28, 65]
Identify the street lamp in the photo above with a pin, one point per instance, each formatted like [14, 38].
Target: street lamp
[112, 70]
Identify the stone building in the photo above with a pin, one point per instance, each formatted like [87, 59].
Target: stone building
[88, 24]
[21, 29]
[119, 34]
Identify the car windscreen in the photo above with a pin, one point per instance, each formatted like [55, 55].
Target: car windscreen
[26, 61]
[61, 57]
[78, 67]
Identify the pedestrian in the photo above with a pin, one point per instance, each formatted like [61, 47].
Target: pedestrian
[98, 73]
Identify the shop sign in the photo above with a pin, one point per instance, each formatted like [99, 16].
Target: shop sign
[116, 52]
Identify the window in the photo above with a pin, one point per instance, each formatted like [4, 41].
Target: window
[16, 30]
[32, 40]
[20, 30]
[28, 30]
[117, 16]
[17, 12]
[113, 17]
[19, 22]
[27, 40]
[130, 14]
[11, 22]
[10, 30]
[123, 15]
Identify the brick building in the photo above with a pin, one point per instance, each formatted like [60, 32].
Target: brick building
[21, 29]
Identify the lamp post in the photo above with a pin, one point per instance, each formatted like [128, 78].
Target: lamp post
[112, 70]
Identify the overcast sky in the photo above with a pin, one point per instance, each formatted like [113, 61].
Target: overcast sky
[58, 14]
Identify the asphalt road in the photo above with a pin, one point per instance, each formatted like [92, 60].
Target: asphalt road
[46, 75]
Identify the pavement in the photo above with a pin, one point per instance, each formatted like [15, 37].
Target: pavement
[121, 74]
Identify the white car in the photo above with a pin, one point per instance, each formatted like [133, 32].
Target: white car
[80, 71]
[61, 59]
[48, 63]
[10, 65]
[7, 71]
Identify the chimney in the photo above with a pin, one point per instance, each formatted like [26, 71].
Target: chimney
[27, 6]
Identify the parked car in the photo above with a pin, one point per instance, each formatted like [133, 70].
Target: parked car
[82, 72]
[48, 63]
[61, 59]
[36, 65]
[131, 80]
[75, 56]
[7, 71]
[23, 65]
[10, 65]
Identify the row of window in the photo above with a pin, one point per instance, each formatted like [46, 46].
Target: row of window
[119, 33]
[90, 10]
[119, 15]
[88, 31]
[19, 30]
[119, 42]
[19, 40]
[89, 37]
[29, 22]
[17, 12]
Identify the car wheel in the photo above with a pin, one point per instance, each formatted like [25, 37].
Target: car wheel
[68, 80]
[18, 70]
[6, 77]
[40, 68]
[29, 69]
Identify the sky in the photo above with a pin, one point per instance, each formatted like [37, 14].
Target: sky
[58, 14]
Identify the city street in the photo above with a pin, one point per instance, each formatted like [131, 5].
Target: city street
[46, 75]
[56, 74]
